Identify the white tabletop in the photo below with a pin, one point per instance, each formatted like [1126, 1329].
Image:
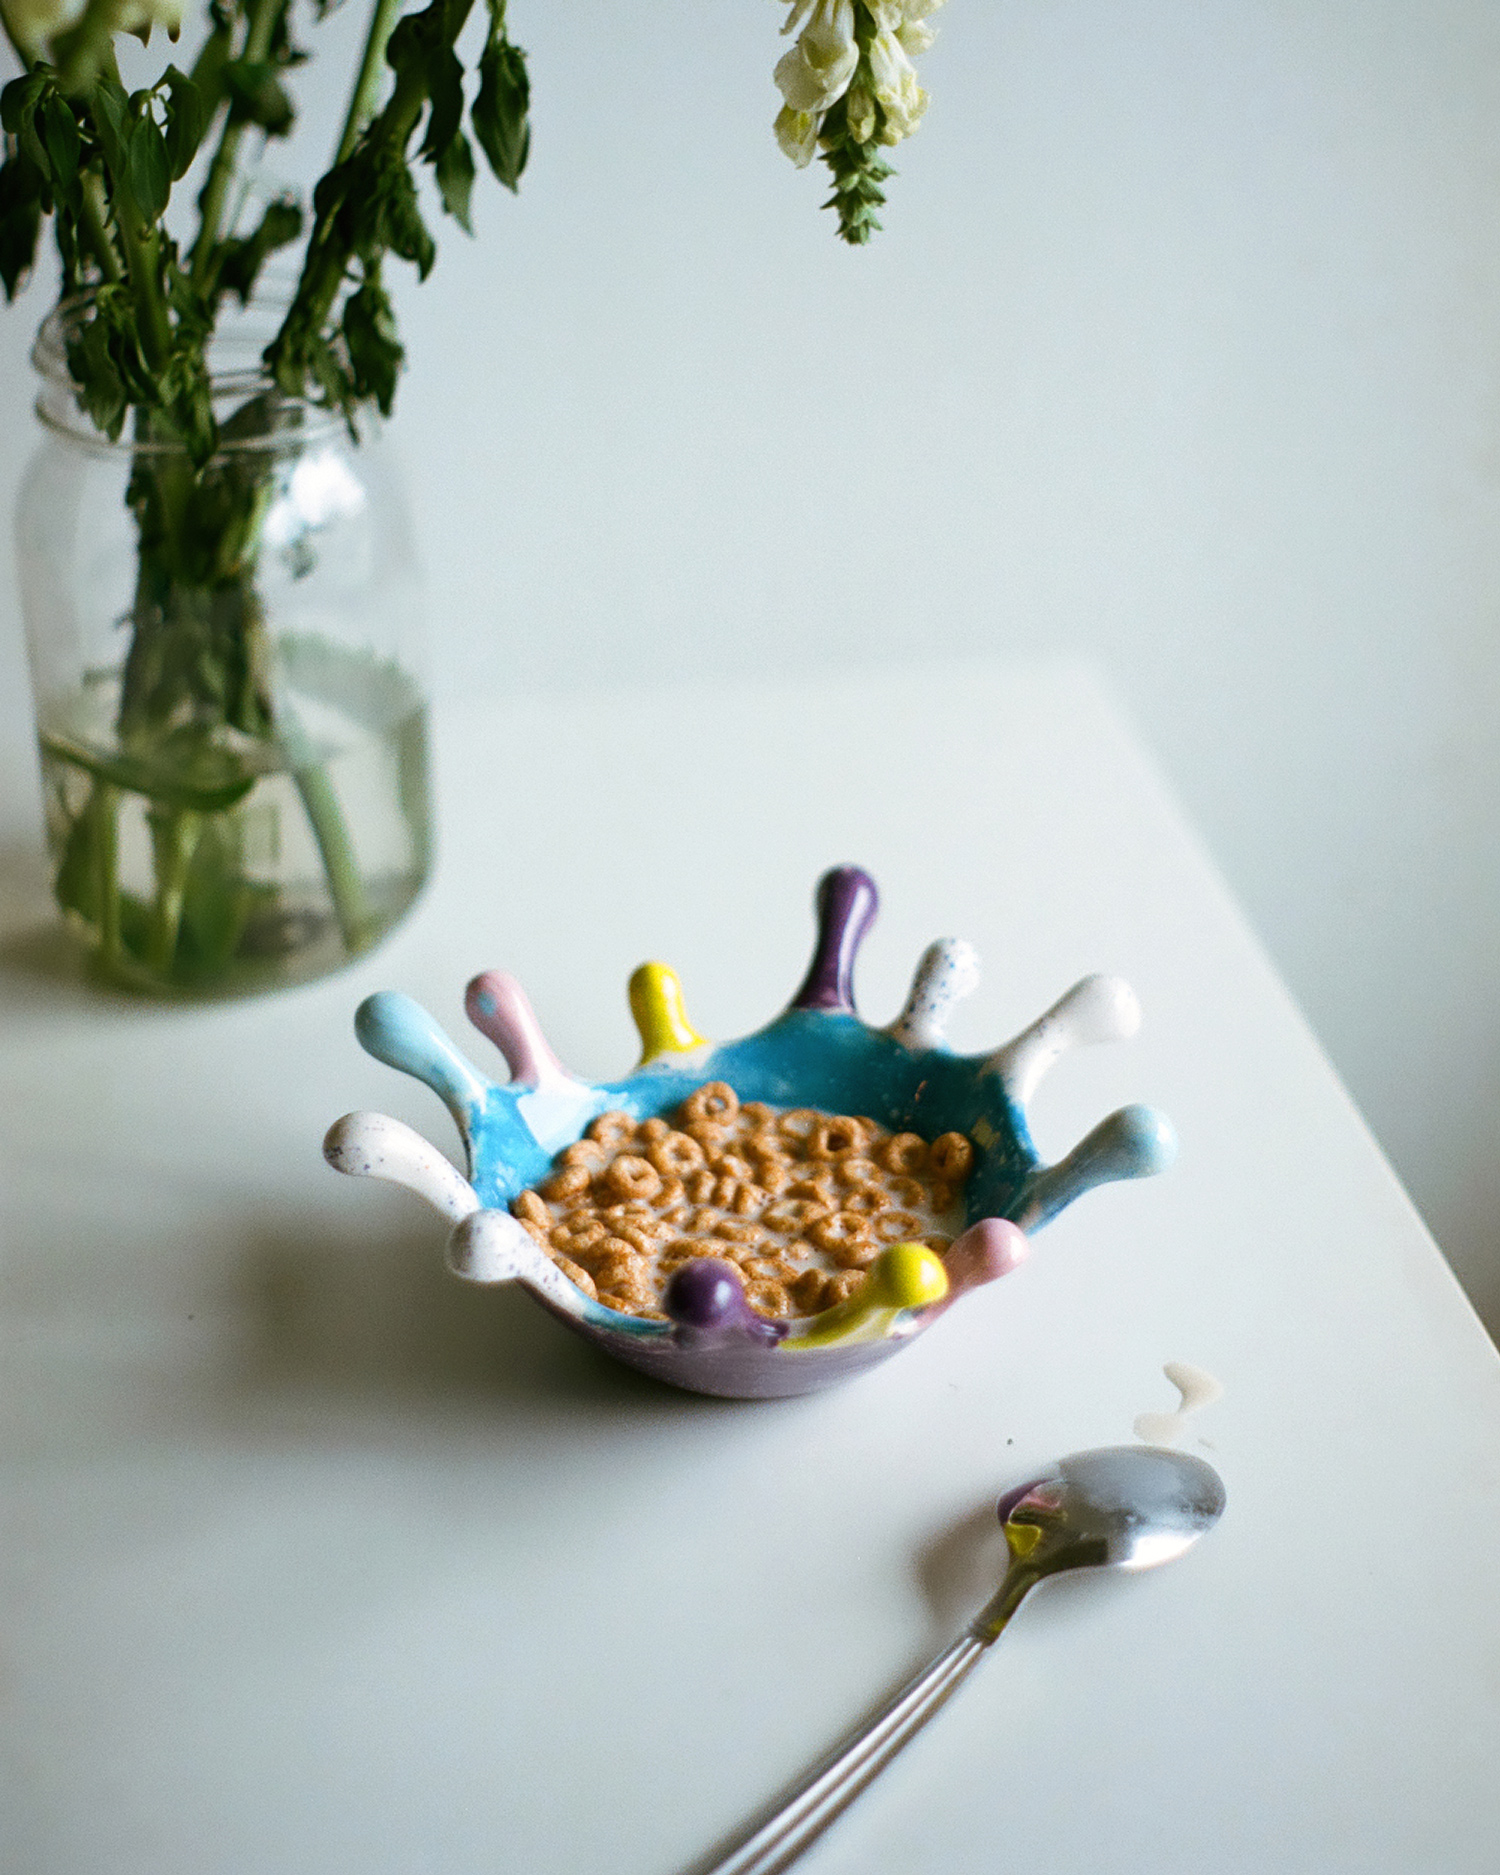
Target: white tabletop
[320, 1561]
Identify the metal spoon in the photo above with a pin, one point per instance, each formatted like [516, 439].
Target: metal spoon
[1126, 1507]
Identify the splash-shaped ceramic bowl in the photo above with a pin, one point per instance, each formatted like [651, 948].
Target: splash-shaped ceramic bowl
[817, 1053]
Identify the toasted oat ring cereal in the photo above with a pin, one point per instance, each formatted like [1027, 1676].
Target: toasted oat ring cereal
[903, 1152]
[951, 1156]
[840, 1233]
[855, 1169]
[755, 1113]
[865, 1198]
[585, 1152]
[574, 1239]
[736, 1230]
[576, 1274]
[711, 1135]
[835, 1137]
[631, 1176]
[807, 1289]
[793, 1213]
[795, 1125]
[715, 1100]
[907, 1192]
[768, 1298]
[612, 1128]
[571, 1183]
[531, 1208]
[896, 1226]
[842, 1286]
[675, 1154]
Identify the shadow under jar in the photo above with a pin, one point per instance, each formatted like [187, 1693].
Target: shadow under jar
[230, 701]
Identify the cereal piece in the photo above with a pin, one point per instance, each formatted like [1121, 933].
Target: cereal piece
[631, 1176]
[573, 1239]
[951, 1156]
[907, 1192]
[937, 1243]
[649, 1131]
[576, 1275]
[683, 1250]
[845, 1236]
[532, 1210]
[855, 1169]
[773, 1176]
[817, 1190]
[791, 1213]
[675, 1154]
[896, 1227]
[612, 1128]
[769, 1269]
[568, 1185]
[712, 1135]
[645, 1237]
[731, 1165]
[715, 1100]
[842, 1286]
[769, 1299]
[798, 1250]
[737, 1230]
[905, 1153]
[620, 1270]
[939, 1196]
[795, 1125]
[756, 1114]
[865, 1198]
[585, 1152]
[835, 1137]
[807, 1290]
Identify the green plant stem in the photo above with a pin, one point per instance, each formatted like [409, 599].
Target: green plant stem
[174, 835]
[142, 245]
[102, 808]
[351, 905]
[95, 220]
[367, 83]
[265, 16]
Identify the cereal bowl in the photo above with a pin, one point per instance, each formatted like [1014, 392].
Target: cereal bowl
[817, 1081]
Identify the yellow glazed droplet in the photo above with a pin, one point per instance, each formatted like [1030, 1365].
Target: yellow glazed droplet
[906, 1276]
[656, 1002]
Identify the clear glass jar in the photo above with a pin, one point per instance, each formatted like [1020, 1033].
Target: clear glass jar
[230, 696]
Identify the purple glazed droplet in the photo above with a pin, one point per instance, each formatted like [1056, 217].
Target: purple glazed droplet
[706, 1299]
[846, 904]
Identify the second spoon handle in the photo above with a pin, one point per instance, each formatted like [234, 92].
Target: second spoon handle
[834, 1783]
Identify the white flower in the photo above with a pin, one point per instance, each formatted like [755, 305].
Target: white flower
[901, 98]
[797, 133]
[33, 23]
[859, 106]
[816, 72]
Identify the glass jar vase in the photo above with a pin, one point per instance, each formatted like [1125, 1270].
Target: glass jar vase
[230, 698]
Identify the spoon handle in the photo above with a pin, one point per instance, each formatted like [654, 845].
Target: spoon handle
[837, 1780]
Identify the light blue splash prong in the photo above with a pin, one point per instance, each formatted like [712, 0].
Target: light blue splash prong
[397, 1030]
[1132, 1143]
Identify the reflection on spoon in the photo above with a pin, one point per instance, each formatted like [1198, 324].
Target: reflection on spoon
[1127, 1507]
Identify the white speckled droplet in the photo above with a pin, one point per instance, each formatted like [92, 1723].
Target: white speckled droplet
[1197, 1388]
[947, 972]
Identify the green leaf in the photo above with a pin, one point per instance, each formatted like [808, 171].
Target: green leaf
[375, 353]
[60, 132]
[186, 120]
[454, 171]
[401, 223]
[257, 95]
[20, 221]
[445, 90]
[112, 121]
[148, 168]
[243, 257]
[499, 114]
